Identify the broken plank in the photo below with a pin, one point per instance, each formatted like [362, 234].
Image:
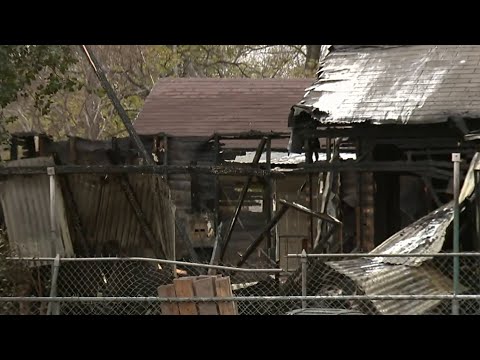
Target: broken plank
[205, 287]
[184, 289]
[223, 288]
[168, 291]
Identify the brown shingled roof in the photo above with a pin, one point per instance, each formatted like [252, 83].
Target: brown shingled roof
[202, 106]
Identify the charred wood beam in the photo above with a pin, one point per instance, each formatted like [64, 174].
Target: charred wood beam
[252, 135]
[229, 201]
[387, 131]
[268, 194]
[439, 167]
[116, 103]
[251, 248]
[216, 199]
[14, 149]
[278, 216]
[443, 151]
[425, 143]
[305, 210]
[477, 210]
[242, 150]
[215, 252]
[228, 234]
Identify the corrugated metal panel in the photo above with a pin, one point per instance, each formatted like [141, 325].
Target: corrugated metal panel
[408, 276]
[26, 206]
[110, 223]
[376, 278]
[399, 84]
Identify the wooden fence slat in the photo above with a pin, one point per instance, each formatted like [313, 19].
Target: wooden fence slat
[205, 287]
[168, 308]
[223, 288]
[184, 289]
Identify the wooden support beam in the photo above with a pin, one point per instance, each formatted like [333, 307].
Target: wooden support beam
[386, 131]
[252, 135]
[216, 200]
[14, 148]
[251, 248]
[268, 194]
[216, 248]
[116, 103]
[246, 186]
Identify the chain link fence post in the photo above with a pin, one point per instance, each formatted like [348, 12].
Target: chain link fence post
[54, 307]
[304, 260]
[456, 159]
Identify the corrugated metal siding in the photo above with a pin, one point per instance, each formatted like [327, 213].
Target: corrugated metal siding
[108, 218]
[404, 276]
[399, 84]
[377, 278]
[26, 207]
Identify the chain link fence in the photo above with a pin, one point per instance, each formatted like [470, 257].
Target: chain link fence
[357, 283]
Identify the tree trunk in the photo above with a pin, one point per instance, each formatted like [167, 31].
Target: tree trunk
[312, 59]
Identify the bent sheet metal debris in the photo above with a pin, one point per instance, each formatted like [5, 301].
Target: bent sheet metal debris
[408, 276]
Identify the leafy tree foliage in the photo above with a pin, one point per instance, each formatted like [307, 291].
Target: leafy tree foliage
[53, 89]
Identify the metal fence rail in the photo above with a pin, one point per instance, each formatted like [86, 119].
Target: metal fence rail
[364, 283]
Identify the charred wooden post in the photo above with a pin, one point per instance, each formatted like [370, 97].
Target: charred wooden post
[358, 208]
[309, 160]
[72, 149]
[268, 194]
[243, 194]
[215, 252]
[456, 159]
[14, 148]
[477, 210]
[216, 200]
[43, 141]
[165, 153]
[29, 146]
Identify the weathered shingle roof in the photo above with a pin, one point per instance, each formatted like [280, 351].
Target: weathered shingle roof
[396, 84]
[202, 106]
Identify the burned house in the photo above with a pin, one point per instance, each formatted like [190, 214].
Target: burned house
[369, 154]
[403, 110]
